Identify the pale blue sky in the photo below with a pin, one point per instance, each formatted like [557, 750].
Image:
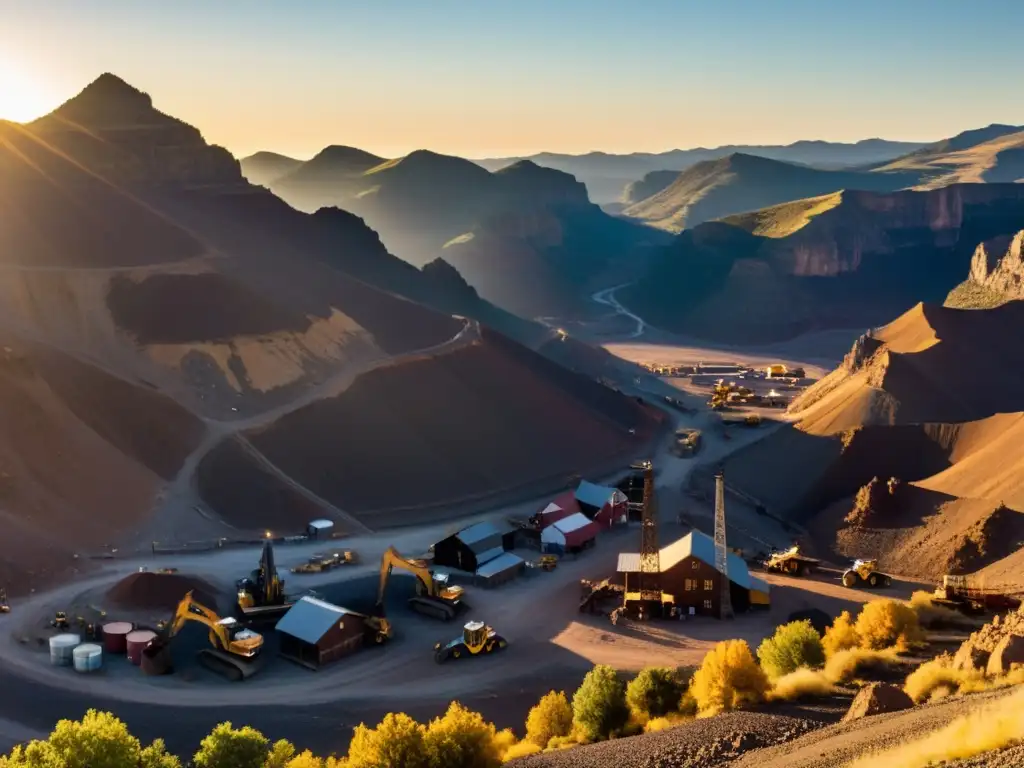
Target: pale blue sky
[489, 77]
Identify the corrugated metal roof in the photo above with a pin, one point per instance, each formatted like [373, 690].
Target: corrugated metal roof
[499, 565]
[551, 507]
[702, 546]
[594, 495]
[488, 554]
[477, 533]
[310, 618]
[629, 562]
[572, 523]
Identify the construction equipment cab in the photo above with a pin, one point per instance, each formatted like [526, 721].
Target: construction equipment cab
[435, 595]
[234, 646]
[262, 592]
[476, 638]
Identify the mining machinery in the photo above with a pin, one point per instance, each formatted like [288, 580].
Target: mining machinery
[235, 648]
[792, 562]
[968, 594]
[477, 638]
[60, 621]
[262, 592]
[865, 573]
[435, 596]
[319, 562]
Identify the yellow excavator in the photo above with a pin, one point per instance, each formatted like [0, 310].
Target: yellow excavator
[235, 647]
[435, 596]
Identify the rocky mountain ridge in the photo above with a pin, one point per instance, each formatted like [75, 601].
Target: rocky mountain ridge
[996, 274]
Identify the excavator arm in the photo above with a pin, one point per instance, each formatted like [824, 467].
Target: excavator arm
[190, 610]
[392, 559]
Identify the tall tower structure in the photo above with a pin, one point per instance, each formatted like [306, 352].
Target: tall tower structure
[650, 558]
[721, 553]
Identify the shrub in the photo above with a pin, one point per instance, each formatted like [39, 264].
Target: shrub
[563, 742]
[227, 747]
[845, 665]
[305, 760]
[280, 753]
[687, 704]
[599, 706]
[728, 678]
[793, 646]
[888, 623]
[397, 740]
[522, 749]
[984, 730]
[504, 740]
[937, 616]
[841, 636]
[801, 683]
[460, 739]
[550, 717]
[936, 677]
[653, 693]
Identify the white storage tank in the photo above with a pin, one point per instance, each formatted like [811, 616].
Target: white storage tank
[61, 649]
[87, 657]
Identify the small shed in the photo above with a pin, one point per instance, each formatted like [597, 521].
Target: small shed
[571, 534]
[504, 567]
[472, 547]
[314, 633]
[320, 529]
[604, 505]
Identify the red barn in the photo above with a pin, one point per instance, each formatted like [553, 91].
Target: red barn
[559, 508]
[604, 505]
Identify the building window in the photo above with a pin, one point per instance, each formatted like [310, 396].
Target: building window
[708, 585]
[690, 585]
[694, 564]
[707, 605]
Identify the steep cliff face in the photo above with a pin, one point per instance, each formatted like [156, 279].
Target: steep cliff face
[113, 129]
[996, 275]
[844, 260]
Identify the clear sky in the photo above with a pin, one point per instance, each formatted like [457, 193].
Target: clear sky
[504, 77]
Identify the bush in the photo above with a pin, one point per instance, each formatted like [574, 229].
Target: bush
[793, 646]
[653, 693]
[550, 717]
[563, 742]
[599, 707]
[728, 678]
[227, 747]
[937, 616]
[460, 739]
[841, 636]
[845, 665]
[522, 749]
[801, 683]
[888, 623]
[305, 760]
[397, 740]
[937, 678]
[687, 704]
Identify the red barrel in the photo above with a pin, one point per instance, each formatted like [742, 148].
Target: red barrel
[115, 636]
[137, 641]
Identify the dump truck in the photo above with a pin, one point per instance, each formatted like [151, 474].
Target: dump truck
[477, 638]
[791, 561]
[865, 573]
[968, 595]
[319, 562]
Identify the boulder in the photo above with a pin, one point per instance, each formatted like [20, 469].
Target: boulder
[1009, 651]
[969, 656]
[876, 698]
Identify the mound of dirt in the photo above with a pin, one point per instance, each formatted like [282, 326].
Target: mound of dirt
[148, 590]
[979, 650]
[217, 309]
[877, 698]
[484, 418]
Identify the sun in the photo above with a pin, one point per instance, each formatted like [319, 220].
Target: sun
[21, 99]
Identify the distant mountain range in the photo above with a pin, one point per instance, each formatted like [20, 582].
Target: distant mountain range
[526, 237]
[738, 183]
[844, 260]
[607, 175]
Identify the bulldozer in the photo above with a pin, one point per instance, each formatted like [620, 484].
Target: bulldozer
[435, 596]
[477, 638]
[791, 561]
[262, 592]
[234, 650]
[865, 573]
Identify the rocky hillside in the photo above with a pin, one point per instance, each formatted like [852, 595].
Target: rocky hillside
[996, 276]
[905, 449]
[845, 260]
[715, 189]
[157, 310]
[526, 237]
[265, 167]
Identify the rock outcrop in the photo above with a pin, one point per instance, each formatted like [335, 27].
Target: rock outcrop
[1008, 652]
[877, 698]
[995, 646]
[996, 274]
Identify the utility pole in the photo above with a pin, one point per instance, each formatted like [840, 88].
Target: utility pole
[721, 553]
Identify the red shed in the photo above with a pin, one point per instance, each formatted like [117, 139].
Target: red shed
[604, 505]
[559, 508]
